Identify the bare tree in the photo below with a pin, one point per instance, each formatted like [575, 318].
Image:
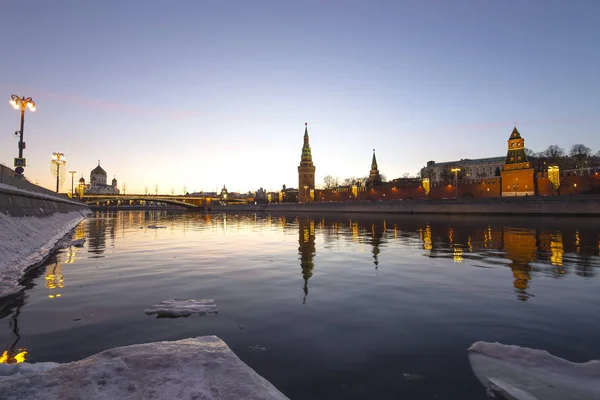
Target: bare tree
[329, 182]
[185, 189]
[172, 191]
[554, 152]
[146, 189]
[530, 153]
[350, 181]
[580, 152]
[156, 189]
[383, 177]
[124, 186]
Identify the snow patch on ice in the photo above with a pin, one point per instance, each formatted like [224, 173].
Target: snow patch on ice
[183, 308]
[526, 374]
[196, 368]
[23, 368]
[26, 241]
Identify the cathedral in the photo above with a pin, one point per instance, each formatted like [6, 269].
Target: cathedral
[98, 184]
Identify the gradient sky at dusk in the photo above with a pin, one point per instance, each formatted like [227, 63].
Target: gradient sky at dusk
[206, 93]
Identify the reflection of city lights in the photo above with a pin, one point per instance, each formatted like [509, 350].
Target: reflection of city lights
[395, 232]
[469, 244]
[487, 237]
[577, 241]
[355, 232]
[7, 358]
[451, 235]
[54, 277]
[427, 244]
[458, 254]
[556, 249]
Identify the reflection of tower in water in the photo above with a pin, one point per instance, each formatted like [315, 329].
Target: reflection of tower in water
[306, 250]
[376, 240]
[520, 247]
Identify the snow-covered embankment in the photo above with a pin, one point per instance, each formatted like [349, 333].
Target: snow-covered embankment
[28, 240]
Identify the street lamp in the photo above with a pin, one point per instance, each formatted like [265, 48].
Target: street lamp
[72, 181]
[21, 103]
[456, 171]
[515, 188]
[58, 160]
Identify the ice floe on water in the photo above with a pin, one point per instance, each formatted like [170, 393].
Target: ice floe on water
[183, 308]
[518, 373]
[26, 241]
[71, 243]
[195, 368]
[156, 227]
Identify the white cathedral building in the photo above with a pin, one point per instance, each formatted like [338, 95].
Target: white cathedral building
[98, 184]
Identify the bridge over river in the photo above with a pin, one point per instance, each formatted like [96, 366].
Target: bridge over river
[123, 200]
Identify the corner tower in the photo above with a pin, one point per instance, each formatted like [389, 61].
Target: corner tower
[374, 176]
[517, 175]
[306, 172]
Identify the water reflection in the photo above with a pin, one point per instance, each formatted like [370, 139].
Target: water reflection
[55, 279]
[526, 250]
[306, 249]
[14, 354]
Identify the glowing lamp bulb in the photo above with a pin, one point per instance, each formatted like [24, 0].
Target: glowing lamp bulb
[16, 106]
[12, 102]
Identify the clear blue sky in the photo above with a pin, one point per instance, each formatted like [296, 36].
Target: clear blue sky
[206, 93]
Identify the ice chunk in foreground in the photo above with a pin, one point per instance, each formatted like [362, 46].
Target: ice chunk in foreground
[518, 373]
[196, 368]
[183, 308]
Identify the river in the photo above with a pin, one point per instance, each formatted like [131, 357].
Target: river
[346, 306]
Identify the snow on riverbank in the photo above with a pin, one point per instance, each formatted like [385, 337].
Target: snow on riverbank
[26, 241]
[518, 373]
[196, 368]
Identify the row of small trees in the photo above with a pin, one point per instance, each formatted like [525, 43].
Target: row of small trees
[330, 182]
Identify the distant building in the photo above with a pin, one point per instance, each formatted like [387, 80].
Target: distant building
[98, 184]
[478, 168]
[306, 173]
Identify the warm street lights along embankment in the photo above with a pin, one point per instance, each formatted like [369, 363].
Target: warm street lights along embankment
[21, 103]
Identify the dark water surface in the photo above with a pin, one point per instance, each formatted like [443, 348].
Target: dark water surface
[337, 306]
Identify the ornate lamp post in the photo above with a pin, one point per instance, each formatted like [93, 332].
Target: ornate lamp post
[58, 160]
[515, 188]
[456, 171]
[21, 103]
[72, 182]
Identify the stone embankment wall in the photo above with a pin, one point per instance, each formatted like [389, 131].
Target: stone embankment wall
[19, 197]
[538, 205]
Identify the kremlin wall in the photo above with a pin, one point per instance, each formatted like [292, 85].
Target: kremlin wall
[517, 178]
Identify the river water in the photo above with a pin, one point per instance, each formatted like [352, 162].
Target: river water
[328, 306]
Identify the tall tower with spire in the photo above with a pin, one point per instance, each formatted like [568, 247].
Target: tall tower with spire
[306, 172]
[374, 176]
[517, 174]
